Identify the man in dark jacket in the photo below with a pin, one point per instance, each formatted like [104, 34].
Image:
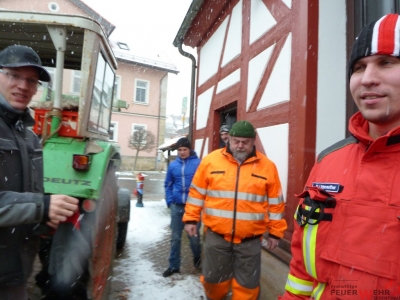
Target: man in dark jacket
[177, 182]
[224, 134]
[23, 206]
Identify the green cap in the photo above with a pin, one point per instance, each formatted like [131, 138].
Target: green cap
[242, 129]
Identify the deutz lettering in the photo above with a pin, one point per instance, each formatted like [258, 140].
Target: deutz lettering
[68, 181]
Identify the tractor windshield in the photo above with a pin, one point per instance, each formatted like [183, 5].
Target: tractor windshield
[75, 51]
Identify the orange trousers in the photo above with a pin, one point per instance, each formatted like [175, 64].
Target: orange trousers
[218, 291]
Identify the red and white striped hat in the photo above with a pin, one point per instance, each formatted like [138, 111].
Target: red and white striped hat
[381, 37]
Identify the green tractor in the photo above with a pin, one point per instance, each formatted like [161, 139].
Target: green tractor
[79, 159]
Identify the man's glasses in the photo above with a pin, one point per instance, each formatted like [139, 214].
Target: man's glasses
[14, 78]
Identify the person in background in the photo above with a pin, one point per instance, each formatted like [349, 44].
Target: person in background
[177, 182]
[238, 193]
[224, 134]
[24, 208]
[347, 220]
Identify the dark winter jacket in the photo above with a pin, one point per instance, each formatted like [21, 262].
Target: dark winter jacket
[22, 203]
[179, 177]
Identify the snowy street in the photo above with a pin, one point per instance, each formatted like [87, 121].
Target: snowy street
[140, 276]
[138, 269]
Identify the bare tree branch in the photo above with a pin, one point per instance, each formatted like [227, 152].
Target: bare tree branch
[142, 140]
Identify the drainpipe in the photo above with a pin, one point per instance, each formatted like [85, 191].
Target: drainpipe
[190, 56]
[159, 121]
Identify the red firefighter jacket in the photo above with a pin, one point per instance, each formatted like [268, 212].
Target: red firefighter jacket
[353, 252]
[237, 201]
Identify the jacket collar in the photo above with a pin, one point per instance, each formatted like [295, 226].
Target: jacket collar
[359, 127]
[14, 116]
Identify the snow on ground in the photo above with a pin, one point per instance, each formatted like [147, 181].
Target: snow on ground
[148, 227]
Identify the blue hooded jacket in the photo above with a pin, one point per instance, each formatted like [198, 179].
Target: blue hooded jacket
[179, 177]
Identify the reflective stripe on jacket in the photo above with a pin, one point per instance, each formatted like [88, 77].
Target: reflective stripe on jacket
[352, 256]
[237, 201]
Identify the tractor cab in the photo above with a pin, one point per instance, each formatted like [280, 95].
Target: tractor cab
[72, 114]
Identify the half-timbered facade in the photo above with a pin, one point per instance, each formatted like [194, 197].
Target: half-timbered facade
[280, 64]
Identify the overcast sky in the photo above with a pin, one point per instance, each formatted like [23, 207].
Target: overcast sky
[149, 27]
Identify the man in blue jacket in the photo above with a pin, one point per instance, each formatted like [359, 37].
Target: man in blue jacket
[177, 182]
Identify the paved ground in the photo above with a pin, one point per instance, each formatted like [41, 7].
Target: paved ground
[273, 277]
[274, 272]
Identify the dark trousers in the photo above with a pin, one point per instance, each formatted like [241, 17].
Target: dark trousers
[224, 261]
[177, 226]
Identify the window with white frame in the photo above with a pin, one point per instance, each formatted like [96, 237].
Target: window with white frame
[117, 87]
[76, 82]
[141, 91]
[138, 127]
[113, 131]
[53, 7]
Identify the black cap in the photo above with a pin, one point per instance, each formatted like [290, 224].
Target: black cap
[183, 142]
[224, 128]
[22, 56]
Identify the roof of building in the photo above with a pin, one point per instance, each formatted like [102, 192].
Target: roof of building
[199, 21]
[135, 59]
[171, 144]
[108, 27]
[187, 21]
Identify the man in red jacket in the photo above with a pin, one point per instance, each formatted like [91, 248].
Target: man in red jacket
[345, 244]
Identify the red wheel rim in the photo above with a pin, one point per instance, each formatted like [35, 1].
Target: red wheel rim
[103, 249]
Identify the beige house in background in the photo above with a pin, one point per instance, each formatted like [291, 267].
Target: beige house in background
[141, 83]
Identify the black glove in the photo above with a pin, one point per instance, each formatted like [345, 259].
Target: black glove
[69, 255]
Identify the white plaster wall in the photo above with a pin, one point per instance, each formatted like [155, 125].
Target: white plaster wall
[197, 146]
[234, 39]
[288, 3]
[210, 54]
[278, 85]
[331, 92]
[261, 20]
[278, 150]
[228, 81]
[257, 67]
[203, 108]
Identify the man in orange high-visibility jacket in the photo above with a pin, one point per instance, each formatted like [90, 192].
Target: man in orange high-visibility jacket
[238, 192]
[347, 236]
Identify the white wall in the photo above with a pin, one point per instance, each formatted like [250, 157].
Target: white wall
[332, 78]
[210, 54]
[278, 150]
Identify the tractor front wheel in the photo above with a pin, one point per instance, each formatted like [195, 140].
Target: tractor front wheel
[103, 249]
